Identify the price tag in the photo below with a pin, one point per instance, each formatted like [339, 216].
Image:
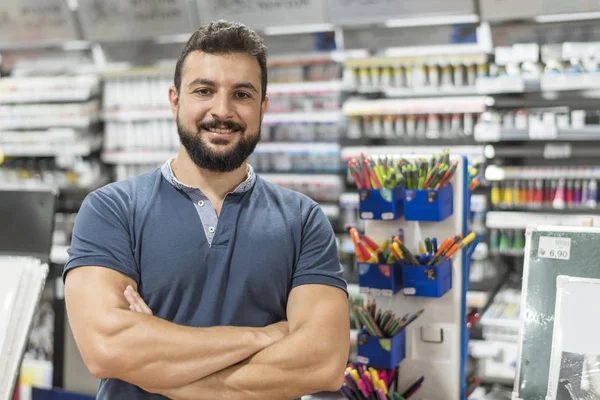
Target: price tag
[367, 215]
[557, 248]
[553, 151]
[360, 359]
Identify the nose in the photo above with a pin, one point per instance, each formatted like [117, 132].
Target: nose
[222, 108]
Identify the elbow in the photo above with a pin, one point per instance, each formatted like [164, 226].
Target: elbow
[332, 373]
[334, 377]
[100, 359]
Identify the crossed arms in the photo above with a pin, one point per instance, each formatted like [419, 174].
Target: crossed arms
[306, 354]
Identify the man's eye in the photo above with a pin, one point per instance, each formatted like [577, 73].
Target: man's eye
[203, 92]
[242, 95]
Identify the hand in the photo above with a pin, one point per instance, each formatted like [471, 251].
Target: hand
[277, 331]
[136, 303]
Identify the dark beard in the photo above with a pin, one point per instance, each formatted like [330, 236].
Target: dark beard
[207, 159]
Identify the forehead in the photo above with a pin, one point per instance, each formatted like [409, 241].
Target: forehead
[223, 69]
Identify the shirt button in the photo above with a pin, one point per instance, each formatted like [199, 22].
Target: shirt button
[201, 203]
[211, 229]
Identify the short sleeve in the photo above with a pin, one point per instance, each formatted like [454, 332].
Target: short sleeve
[101, 236]
[318, 262]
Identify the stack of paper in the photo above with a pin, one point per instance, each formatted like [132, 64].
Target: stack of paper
[21, 283]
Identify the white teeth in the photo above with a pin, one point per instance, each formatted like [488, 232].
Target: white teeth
[219, 130]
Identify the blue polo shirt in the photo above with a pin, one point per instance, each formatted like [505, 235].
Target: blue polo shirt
[268, 240]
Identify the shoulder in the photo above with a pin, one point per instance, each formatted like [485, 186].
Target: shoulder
[126, 194]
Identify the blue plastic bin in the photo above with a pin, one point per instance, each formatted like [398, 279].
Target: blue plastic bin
[382, 352]
[428, 205]
[381, 204]
[425, 281]
[380, 279]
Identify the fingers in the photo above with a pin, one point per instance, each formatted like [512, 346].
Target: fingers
[136, 303]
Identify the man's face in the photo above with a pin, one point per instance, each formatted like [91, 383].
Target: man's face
[218, 109]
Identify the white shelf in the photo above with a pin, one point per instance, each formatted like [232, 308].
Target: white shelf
[495, 173]
[445, 105]
[24, 90]
[352, 152]
[72, 122]
[520, 220]
[436, 51]
[137, 157]
[298, 147]
[71, 95]
[304, 87]
[564, 82]
[316, 116]
[430, 91]
[137, 115]
[500, 84]
[82, 148]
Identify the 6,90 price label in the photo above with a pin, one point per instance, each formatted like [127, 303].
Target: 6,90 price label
[558, 248]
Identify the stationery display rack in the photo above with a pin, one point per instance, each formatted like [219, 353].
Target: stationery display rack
[433, 349]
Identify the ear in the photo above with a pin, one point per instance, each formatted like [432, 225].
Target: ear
[263, 107]
[174, 100]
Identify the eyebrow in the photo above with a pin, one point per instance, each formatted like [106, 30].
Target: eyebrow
[208, 82]
[202, 81]
[245, 85]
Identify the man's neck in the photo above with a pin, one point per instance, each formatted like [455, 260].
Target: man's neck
[213, 184]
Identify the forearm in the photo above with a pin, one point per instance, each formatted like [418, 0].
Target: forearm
[300, 364]
[151, 351]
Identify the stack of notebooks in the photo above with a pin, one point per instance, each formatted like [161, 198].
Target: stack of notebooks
[21, 283]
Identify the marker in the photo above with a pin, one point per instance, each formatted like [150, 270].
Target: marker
[447, 176]
[591, 200]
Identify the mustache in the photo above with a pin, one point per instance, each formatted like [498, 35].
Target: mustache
[214, 124]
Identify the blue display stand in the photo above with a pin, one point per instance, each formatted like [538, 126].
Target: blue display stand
[382, 352]
[381, 204]
[433, 339]
[427, 281]
[428, 205]
[381, 279]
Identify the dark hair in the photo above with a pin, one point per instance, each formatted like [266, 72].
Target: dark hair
[222, 37]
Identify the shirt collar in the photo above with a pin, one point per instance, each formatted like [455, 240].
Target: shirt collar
[167, 173]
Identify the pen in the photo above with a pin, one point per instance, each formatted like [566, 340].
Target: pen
[413, 388]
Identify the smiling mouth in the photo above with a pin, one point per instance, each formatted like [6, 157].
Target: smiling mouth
[222, 131]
